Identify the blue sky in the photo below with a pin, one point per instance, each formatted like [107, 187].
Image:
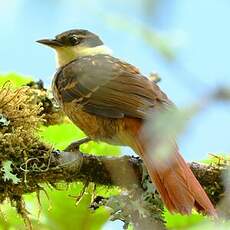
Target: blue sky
[197, 31]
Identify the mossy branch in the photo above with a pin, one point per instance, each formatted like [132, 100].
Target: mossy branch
[126, 172]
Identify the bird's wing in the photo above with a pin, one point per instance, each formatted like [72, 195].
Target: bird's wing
[105, 86]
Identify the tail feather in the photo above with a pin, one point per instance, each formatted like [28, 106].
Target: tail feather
[177, 185]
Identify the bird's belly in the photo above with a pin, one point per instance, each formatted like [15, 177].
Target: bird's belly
[96, 127]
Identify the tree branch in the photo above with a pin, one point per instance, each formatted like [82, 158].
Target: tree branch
[126, 172]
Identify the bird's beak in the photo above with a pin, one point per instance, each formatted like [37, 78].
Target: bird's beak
[50, 42]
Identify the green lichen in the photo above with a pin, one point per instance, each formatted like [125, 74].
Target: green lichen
[7, 172]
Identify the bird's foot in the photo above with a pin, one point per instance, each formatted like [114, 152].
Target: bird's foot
[74, 146]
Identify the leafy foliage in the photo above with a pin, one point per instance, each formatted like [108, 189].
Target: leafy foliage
[62, 135]
[59, 209]
[177, 221]
[16, 79]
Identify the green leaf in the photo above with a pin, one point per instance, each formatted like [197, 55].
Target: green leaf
[216, 158]
[9, 218]
[62, 135]
[7, 172]
[16, 79]
[177, 221]
[62, 213]
[211, 225]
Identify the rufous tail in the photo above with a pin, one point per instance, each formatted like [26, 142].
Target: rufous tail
[178, 187]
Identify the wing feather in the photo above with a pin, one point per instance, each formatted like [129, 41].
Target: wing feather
[105, 86]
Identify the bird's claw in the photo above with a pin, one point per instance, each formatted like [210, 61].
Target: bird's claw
[74, 146]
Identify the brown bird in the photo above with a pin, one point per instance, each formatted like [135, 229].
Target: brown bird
[111, 101]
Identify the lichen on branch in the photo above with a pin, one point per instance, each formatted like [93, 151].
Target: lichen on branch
[19, 123]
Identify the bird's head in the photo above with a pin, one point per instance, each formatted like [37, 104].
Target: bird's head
[72, 44]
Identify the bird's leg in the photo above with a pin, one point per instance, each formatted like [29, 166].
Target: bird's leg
[74, 146]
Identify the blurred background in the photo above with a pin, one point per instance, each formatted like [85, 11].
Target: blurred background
[185, 42]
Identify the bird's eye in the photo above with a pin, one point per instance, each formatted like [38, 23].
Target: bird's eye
[74, 40]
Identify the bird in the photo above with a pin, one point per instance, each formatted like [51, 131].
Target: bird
[110, 100]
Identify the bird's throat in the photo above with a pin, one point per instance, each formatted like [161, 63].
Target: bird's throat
[68, 54]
